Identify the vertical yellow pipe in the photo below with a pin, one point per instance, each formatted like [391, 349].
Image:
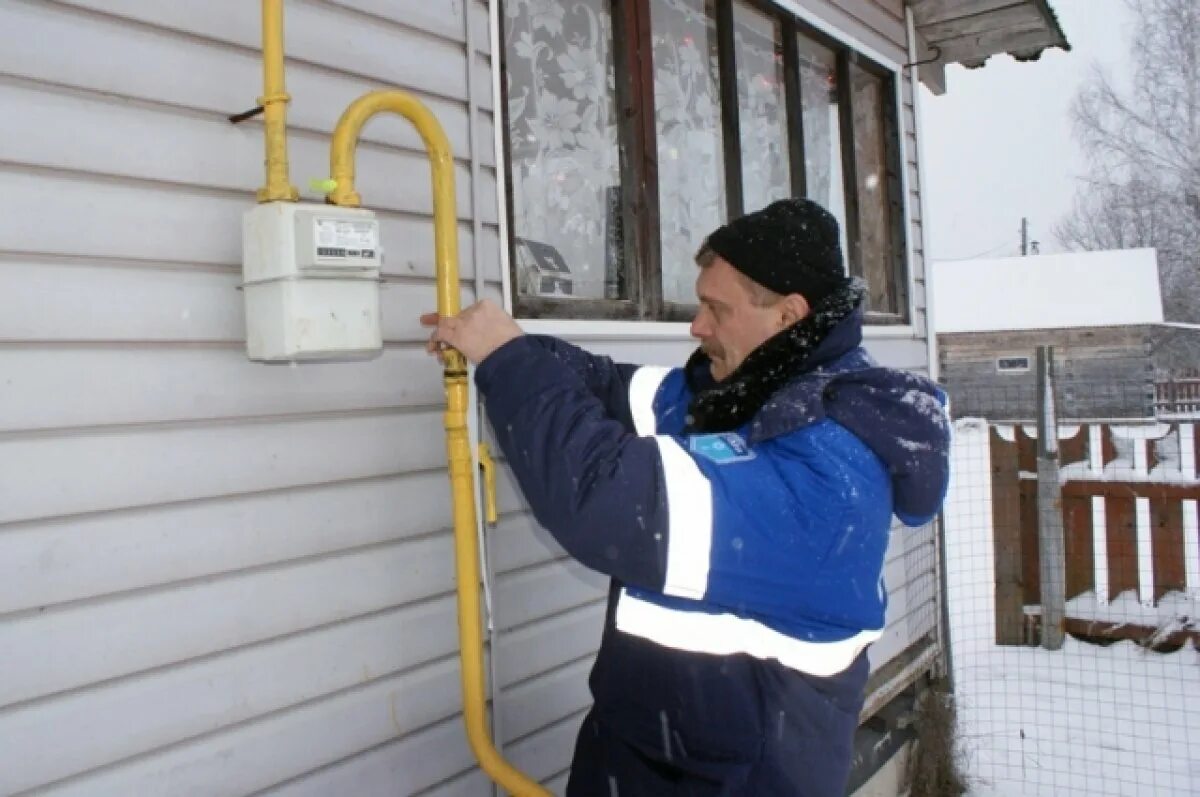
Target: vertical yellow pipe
[458, 449]
[274, 102]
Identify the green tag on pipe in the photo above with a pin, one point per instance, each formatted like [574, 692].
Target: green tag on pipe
[323, 185]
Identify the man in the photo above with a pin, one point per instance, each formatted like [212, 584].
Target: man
[741, 505]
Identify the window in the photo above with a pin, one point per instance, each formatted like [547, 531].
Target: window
[635, 128]
[761, 107]
[876, 191]
[564, 159]
[1012, 365]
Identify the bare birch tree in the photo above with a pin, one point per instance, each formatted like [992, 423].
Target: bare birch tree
[1143, 144]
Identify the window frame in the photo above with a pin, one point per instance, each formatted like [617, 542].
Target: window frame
[638, 167]
[1004, 359]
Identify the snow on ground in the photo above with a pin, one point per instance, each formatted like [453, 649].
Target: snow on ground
[1084, 720]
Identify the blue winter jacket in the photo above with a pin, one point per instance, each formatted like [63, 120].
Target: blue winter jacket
[764, 542]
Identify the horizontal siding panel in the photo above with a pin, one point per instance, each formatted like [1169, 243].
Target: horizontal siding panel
[69, 647]
[71, 735]
[403, 305]
[186, 150]
[165, 223]
[60, 301]
[317, 33]
[444, 19]
[543, 702]
[544, 754]
[108, 56]
[518, 541]
[53, 475]
[261, 754]
[904, 633]
[126, 385]
[540, 647]
[470, 784]
[874, 15]
[909, 616]
[532, 594]
[908, 353]
[558, 785]
[72, 301]
[43, 564]
[842, 17]
[405, 767]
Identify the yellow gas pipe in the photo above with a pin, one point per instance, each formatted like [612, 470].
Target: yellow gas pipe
[274, 104]
[462, 472]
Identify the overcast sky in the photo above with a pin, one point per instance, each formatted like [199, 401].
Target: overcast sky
[999, 146]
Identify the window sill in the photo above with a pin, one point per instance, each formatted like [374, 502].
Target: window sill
[582, 329]
[890, 331]
[606, 330]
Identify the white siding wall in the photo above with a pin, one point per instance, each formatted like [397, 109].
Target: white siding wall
[222, 578]
[218, 577]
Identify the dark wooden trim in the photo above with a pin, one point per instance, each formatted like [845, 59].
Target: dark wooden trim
[795, 107]
[506, 165]
[1079, 545]
[1031, 559]
[639, 175]
[676, 311]
[731, 135]
[895, 165]
[1120, 535]
[1152, 490]
[1006, 541]
[1168, 553]
[849, 164]
[1145, 635]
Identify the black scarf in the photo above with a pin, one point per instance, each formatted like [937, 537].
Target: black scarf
[733, 402]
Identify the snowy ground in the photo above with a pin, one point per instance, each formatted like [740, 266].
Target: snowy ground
[1085, 720]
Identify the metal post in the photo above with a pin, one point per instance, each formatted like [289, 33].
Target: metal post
[1049, 501]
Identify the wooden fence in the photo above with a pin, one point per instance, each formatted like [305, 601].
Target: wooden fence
[1179, 396]
[1129, 504]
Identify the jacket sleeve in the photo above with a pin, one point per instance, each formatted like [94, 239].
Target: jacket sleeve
[645, 509]
[608, 381]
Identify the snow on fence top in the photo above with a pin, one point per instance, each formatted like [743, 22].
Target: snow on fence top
[1073, 289]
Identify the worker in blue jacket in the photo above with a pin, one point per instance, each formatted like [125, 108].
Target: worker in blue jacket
[741, 504]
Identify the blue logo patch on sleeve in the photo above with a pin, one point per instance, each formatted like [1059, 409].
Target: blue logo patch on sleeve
[721, 448]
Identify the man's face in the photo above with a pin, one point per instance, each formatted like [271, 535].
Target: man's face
[729, 323]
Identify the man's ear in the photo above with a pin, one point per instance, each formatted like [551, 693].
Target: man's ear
[794, 307]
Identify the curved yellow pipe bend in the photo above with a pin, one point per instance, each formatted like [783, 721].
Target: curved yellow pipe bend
[274, 103]
[462, 472]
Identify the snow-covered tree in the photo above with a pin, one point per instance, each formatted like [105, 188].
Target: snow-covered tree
[1143, 144]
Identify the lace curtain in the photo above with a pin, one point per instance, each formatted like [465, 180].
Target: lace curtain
[563, 146]
[762, 108]
[565, 158]
[691, 162]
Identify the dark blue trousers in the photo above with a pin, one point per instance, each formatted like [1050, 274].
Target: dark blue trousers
[796, 740]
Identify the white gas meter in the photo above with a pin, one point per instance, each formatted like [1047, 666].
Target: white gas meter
[311, 276]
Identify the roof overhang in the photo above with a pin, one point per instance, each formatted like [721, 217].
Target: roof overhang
[968, 32]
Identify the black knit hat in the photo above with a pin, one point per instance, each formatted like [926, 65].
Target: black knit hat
[790, 246]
